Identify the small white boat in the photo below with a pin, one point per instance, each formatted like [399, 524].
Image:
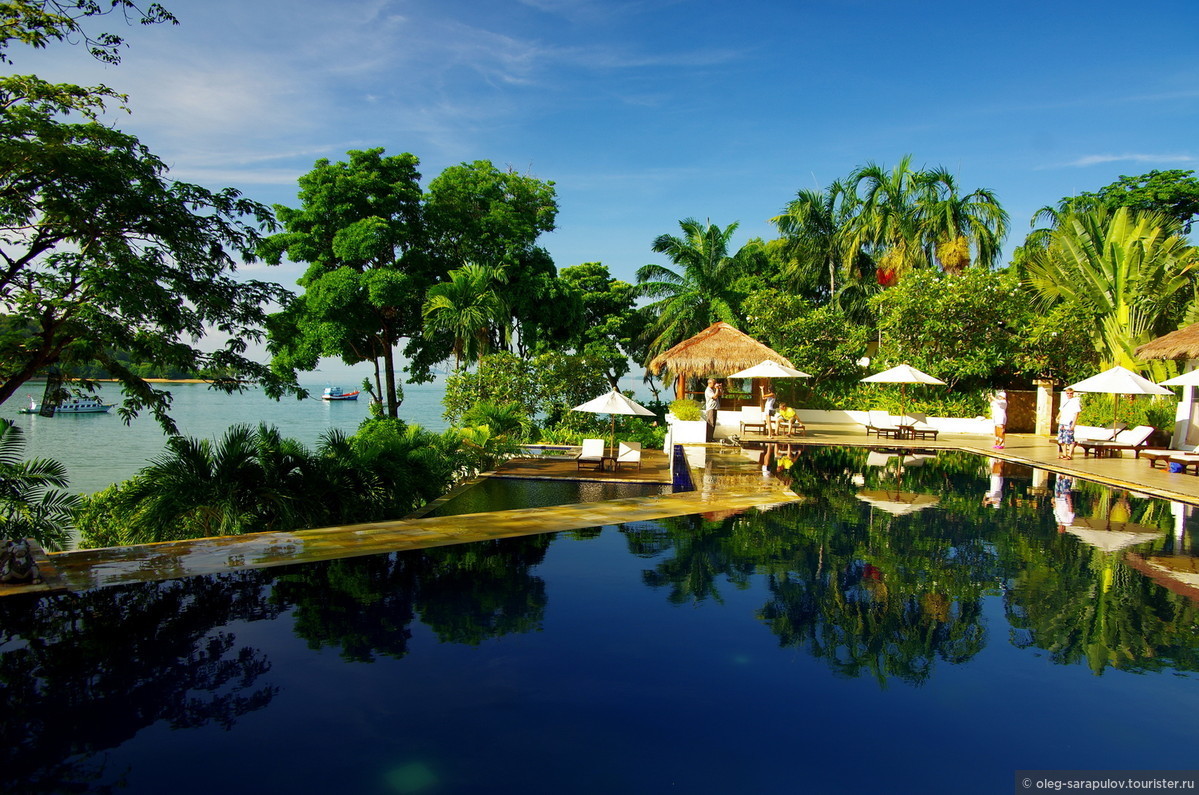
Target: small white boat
[88, 404]
[335, 393]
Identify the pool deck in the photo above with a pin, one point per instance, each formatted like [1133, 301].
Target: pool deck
[730, 482]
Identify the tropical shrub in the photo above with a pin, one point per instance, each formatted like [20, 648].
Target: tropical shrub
[255, 480]
[687, 409]
[31, 505]
[545, 387]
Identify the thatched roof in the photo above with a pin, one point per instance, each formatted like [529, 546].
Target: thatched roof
[717, 350]
[1181, 344]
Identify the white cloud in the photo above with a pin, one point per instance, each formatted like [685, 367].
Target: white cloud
[1096, 160]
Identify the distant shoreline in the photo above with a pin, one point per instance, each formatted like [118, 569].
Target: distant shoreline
[147, 380]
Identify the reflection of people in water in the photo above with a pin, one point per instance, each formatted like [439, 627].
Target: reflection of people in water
[780, 465]
[1063, 502]
[994, 495]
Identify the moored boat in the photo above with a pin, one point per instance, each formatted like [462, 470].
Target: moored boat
[336, 393]
[87, 404]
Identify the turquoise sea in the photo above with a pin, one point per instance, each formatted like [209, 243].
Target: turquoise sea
[100, 449]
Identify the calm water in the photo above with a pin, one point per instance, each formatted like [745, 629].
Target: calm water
[834, 645]
[99, 449]
[501, 494]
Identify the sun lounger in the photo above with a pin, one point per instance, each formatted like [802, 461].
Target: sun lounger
[592, 453]
[1097, 433]
[919, 428]
[881, 424]
[629, 453]
[1134, 439]
[793, 426]
[1186, 461]
[752, 417]
[1156, 455]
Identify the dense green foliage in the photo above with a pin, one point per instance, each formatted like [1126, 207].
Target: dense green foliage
[360, 231]
[31, 503]
[255, 480]
[1127, 270]
[102, 251]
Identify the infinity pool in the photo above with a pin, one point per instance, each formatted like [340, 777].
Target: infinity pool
[891, 633]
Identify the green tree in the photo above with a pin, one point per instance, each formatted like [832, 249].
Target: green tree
[101, 251]
[699, 293]
[545, 387]
[255, 480]
[359, 229]
[813, 226]
[610, 324]
[39, 22]
[1174, 194]
[479, 214]
[467, 308]
[1129, 270]
[820, 340]
[886, 220]
[31, 505]
[955, 224]
[960, 329]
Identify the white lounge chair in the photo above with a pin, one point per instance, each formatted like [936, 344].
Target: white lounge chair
[920, 427]
[752, 417]
[1163, 454]
[628, 453]
[1097, 433]
[1134, 439]
[880, 424]
[592, 453]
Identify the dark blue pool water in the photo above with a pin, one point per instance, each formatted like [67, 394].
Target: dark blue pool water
[828, 646]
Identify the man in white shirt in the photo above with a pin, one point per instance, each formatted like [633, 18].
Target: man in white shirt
[1067, 415]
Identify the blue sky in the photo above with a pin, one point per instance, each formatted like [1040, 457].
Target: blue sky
[644, 112]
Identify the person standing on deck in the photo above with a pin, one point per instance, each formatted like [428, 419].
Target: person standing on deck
[1067, 415]
[999, 418]
[711, 404]
[768, 400]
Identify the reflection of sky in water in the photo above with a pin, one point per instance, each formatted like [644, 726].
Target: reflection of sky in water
[822, 647]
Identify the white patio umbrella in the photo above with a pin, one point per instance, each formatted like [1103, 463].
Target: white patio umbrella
[903, 375]
[770, 369]
[613, 403]
[1119, 381]
[1189, 378]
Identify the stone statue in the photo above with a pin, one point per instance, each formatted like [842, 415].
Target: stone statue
[17, 564]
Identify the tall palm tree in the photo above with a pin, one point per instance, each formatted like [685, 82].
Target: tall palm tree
[468, 308]
[953, 224]
[887, 219]
[701, 291]
[1127, 268]
[30, 504]
[813, 225]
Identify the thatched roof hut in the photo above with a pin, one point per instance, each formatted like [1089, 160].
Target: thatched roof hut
[1181, 344]
[719, 349]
